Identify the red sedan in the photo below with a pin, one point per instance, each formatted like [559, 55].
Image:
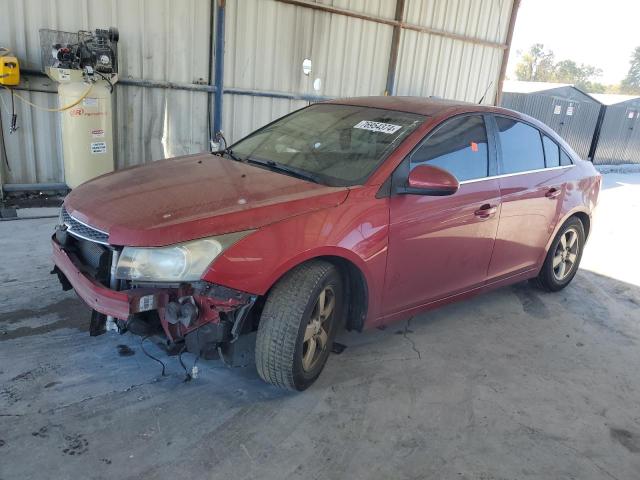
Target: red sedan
[351, 213]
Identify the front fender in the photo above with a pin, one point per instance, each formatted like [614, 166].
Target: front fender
[356, 231]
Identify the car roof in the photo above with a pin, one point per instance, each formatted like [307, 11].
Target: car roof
[428, 106]
[438, 108]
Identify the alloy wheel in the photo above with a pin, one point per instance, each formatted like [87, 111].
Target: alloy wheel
[316, 334]
[566, 254]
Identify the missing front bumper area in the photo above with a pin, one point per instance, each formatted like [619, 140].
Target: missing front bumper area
[205, 319]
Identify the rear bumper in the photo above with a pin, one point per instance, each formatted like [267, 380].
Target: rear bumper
[102, 299]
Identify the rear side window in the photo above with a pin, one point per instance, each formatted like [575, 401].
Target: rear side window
[565, 159]
[551, 152]
[521, 146]
[459, 146]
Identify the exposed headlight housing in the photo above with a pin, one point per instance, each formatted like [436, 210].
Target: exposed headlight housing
[182, 262]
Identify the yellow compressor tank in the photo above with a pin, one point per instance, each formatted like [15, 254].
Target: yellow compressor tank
[87, 139]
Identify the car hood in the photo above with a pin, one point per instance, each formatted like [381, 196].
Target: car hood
[185, 198]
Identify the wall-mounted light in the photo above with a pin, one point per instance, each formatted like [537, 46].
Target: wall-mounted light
[306, 66]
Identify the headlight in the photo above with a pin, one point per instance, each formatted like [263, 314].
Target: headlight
[183, 262]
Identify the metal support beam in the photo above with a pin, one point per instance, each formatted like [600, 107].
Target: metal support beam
[505, 53]
[393, 53]
[409, 26]
[211, 72]
[192, 87]
[134, 82]
[34, 187]
[219, 67]
[276, 94]
[210, 89]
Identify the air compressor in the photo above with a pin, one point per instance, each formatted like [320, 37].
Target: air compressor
[85, 66]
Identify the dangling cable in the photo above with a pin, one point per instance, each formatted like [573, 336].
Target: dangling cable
[4, 146]
[221, 355]
[61, 109]
[187, 377]
[151, 356]
[14, 117]
[106, 79]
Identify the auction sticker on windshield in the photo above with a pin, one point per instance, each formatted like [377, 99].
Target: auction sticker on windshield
[377, 126]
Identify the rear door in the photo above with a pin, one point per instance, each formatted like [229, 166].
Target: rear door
[531, 185]
[439, 246]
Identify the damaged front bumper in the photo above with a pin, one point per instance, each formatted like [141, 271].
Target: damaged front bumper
[100, 298]
[205, 319]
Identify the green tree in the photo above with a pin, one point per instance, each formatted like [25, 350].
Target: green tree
[631, 83]
[536, 64]
[539, 65]
[568, 71]
[596, 87]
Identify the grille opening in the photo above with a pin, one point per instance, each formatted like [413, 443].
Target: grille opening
[83, 231]
[92, 258]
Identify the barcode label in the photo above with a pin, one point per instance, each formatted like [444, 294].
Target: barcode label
[377, 126]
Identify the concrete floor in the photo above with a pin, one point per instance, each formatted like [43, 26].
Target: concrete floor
[514, 384]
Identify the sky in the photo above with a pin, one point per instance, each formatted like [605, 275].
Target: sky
[595, 32]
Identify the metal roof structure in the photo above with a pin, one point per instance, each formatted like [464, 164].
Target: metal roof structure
[517, 86]
[190, 68]
[613, 98]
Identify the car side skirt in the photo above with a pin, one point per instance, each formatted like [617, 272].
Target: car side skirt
[403, 314]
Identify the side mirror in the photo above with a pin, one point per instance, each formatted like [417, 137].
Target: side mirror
[430, 180]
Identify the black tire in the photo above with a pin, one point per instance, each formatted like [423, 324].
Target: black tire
[547, 279]
[280, 343]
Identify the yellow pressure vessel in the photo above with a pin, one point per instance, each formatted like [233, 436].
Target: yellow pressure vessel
[87, 137]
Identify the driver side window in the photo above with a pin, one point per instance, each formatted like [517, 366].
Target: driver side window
[459, 146]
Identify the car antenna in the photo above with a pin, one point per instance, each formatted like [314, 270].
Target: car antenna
[485, 92]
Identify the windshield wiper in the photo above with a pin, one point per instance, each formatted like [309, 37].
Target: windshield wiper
[229, 152]
[279, 167]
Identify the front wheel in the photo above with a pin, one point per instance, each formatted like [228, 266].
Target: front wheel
[298, 324]
[563, 258]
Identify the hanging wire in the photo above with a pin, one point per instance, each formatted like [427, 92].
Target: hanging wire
[4, 146]
[106, 79]
[14, 117]
[60, 109]
[187, 377]
[151, 356]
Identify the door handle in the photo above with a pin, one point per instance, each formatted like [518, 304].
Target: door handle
[486, 211]
[553, 193]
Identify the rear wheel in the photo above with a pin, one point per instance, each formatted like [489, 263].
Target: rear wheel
[563, 258]
[298, 324]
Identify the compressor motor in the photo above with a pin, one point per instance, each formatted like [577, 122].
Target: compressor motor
[89, 51]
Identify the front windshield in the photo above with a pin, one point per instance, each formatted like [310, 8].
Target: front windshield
[336, 144]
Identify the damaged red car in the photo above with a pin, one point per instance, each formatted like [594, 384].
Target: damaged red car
[349, 214]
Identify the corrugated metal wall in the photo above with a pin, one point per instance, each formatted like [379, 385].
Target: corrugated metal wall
[569, 112]
[451, 68]
[619, 140]
[159, 40]
[266, 42]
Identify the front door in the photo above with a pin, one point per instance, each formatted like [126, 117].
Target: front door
[440, 246]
